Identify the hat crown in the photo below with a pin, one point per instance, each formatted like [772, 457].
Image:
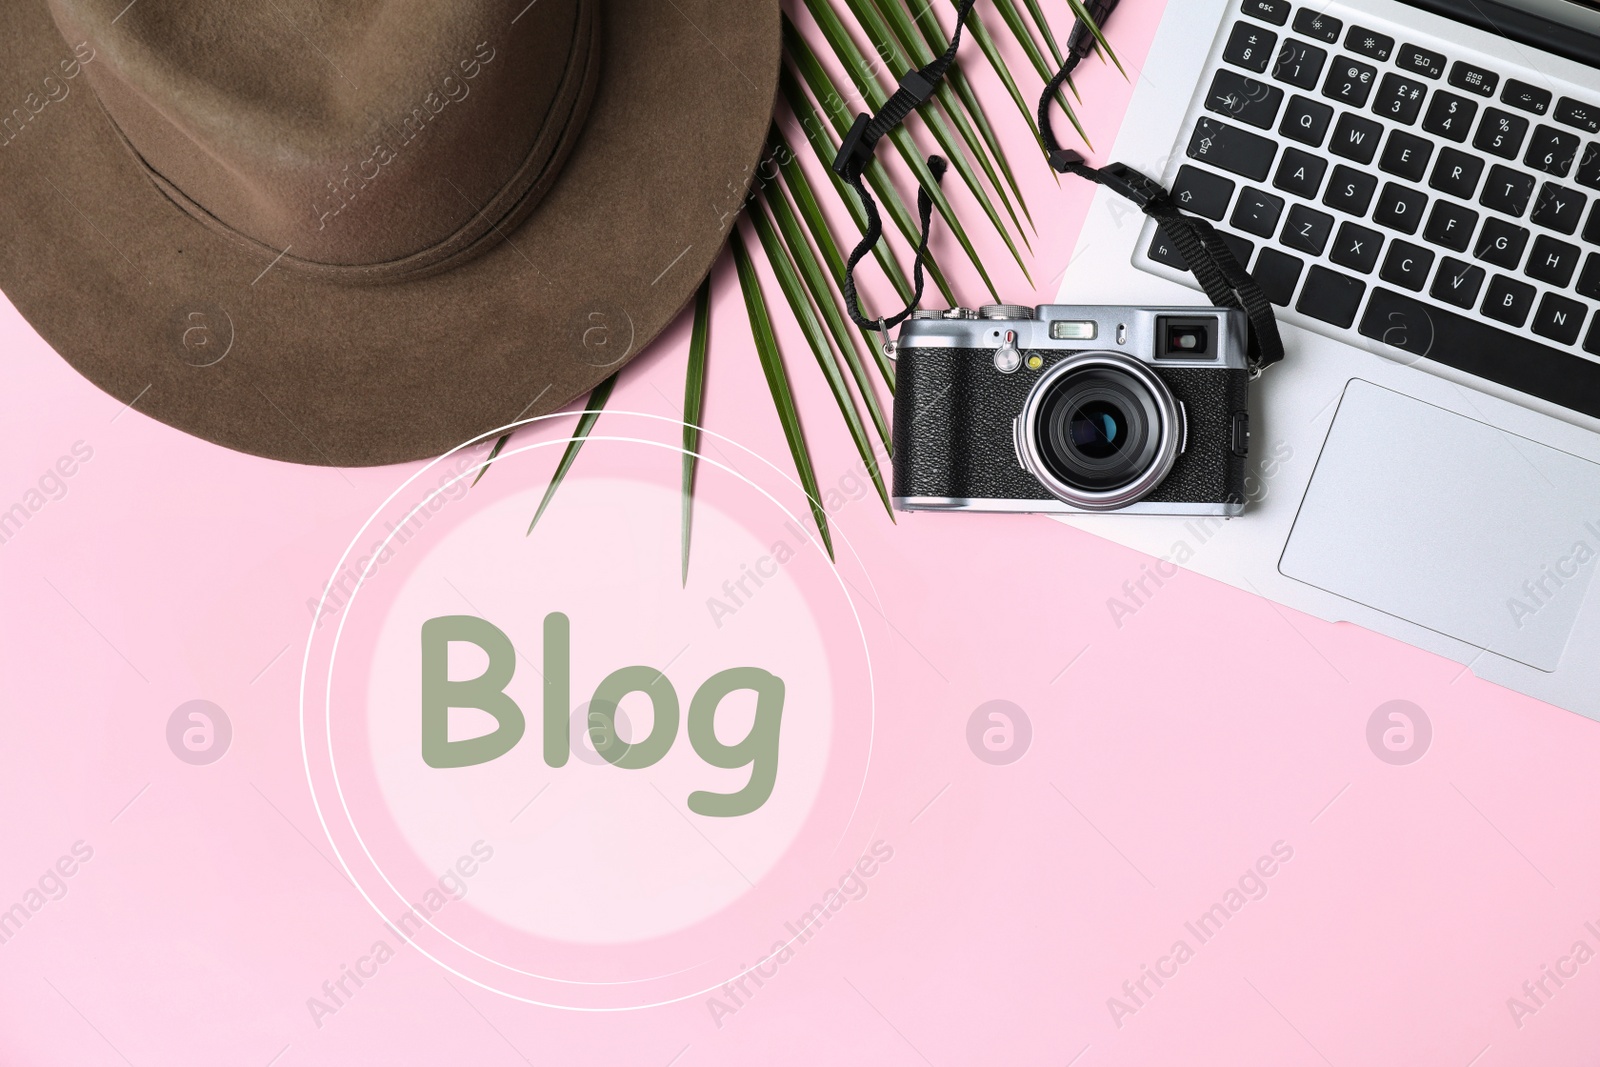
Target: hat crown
[363, 139]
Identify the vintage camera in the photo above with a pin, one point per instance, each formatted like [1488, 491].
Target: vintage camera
[1064, 408]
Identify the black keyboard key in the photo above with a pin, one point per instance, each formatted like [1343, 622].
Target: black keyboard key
[1242, 249]
[1450, 226]
[1552, 150]
[1552, 261]
[1458, 283]
[1507, 191]
[1560, 319]
[1406, 156]
[1306, 230]
[1450, 116]
[1331, 297]
[1299, 64]
[1399, 99]
[1500, 133]
[1369, 43]
[1400, 208]
[1317, 26]
[1578, 115]
[1202, 192]
[1589, 281]
[1558, 208]
[1475, 347]
[1250, 47]
[1589, 166]
[1355, 138]
[1300, 173]
[1420, 61]
[1349, 82]
[1501, 243]
[1306, 121]
[1232, 149]
[1508, 301]
[1357, 248]
[1162, 250]
[1257, 212]
[1525, 97]
[1591, 230]
[1466, 77]
[1245, 99]
[1278, 273]
[1350, 191]
[1456, 173]
[1273, 11]
[1407, 266]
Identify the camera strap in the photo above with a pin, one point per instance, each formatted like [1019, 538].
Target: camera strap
[855, 155]
[1224, 279]
[1207, 255]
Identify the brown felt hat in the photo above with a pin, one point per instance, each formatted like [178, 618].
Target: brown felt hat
[363, 231]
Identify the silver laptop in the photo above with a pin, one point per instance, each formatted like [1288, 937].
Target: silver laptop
[1417, 187]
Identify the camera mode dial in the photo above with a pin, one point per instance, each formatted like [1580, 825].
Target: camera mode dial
[1005, 311]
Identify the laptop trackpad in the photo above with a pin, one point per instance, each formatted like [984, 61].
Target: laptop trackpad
[1449, 523]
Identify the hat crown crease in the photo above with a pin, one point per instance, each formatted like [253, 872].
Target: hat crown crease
[362, 140]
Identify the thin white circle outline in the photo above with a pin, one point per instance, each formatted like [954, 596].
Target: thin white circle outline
[306, 663]
[339, 784]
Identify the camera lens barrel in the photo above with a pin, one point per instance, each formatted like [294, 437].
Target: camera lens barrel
[1100, 431]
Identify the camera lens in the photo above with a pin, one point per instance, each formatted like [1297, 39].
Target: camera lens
[1100, 431]
[1097, 429]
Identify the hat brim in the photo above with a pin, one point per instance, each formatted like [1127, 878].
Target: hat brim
[155, 309]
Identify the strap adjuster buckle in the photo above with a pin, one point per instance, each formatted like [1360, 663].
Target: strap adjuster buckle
[854, 152]
[1125, 181]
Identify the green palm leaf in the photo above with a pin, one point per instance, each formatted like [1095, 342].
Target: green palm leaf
[1042, 24]
[778, 383]
[822, 297]
[800, 303]
[873, 93]
[876, 174]
[694, 386]
[902, 54]
[586, 421]
[922, 49]
[991, 52]
[1106, 52]
[812, 124]
[799, 187]
[493, 452]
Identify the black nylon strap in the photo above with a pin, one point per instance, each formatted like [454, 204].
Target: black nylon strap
[855, 153]
[1224, 279]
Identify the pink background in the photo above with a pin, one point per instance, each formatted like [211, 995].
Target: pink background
[1173, 753]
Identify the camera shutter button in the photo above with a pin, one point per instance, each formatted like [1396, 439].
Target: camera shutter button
[1006, 358]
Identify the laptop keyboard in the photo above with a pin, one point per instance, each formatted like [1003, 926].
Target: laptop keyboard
[1384, 189]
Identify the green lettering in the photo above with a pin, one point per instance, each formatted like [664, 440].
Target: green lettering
[758, 750]
[486, 692]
